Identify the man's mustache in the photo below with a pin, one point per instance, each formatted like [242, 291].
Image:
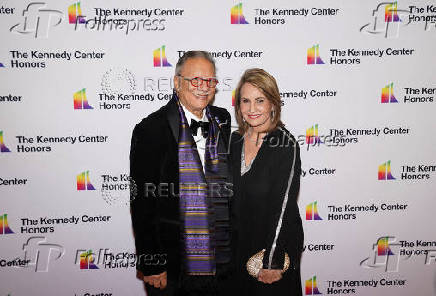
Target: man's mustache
[202, 94]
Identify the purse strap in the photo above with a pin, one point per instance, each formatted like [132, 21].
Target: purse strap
[285, 202]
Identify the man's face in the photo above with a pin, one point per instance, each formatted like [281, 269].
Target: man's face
[195, 99]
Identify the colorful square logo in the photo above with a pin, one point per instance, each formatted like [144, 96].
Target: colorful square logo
[159, 58]
[80, 100]
[387, 95]
[3, 147]
[4, 226]
[313, 56]
[384, 171]
[312, 211]
[391, 13]
[87, 260]
[236, 15]
[84, 182]
[383, 248]
[311, 287]
[312, 136]
[75, 14]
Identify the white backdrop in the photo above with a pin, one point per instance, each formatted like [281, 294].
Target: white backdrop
[369, 228]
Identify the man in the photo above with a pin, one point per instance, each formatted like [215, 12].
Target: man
[179, 169]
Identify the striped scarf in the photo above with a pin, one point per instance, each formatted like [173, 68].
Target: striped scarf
[196, 196]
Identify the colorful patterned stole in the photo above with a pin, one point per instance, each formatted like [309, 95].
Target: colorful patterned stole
[198, 192]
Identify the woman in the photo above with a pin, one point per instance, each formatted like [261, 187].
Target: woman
[266, 165]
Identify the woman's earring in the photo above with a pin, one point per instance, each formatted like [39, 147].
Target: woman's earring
[272, 114]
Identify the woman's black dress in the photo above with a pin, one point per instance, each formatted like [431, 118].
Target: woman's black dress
[256, 208]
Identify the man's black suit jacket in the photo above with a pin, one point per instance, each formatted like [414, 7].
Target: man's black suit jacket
[154, 161]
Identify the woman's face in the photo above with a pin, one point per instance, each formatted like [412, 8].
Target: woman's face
[255, 107]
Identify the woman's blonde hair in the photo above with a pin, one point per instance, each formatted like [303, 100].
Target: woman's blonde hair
[268, 86]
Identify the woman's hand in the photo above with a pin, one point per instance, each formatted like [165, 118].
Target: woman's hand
[158, 280]
[269, 276]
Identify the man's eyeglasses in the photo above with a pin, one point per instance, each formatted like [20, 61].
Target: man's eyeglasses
[198, 81]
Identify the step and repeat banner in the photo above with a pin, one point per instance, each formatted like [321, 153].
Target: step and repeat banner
[358, 88]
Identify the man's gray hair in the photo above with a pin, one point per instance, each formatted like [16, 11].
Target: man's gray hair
[191, 55]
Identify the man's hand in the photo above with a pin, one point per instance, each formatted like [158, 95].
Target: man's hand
[157, 280]
[269, 276]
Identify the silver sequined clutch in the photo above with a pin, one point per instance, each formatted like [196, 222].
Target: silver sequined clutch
[255, 263]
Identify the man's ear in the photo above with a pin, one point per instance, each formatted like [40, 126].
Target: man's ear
[177, 82]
